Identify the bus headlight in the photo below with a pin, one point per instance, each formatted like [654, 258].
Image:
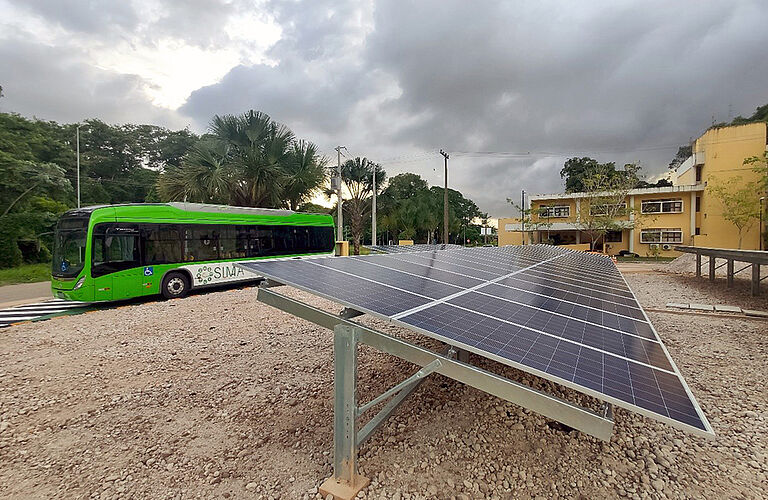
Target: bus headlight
[79, 283]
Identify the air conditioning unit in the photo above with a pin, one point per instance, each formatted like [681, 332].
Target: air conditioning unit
[666, 246]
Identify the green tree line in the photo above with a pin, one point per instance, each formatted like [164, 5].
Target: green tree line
[244, 160]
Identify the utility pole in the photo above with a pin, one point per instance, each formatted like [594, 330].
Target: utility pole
[522, 215]
[445, 199]
[339, 217]
[77, 133]
[373, 210]
[760, 226]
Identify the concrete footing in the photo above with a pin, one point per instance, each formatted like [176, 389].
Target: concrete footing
[343, 490]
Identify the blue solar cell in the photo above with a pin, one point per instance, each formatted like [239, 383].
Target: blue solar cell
[349, 290]
[565, 315]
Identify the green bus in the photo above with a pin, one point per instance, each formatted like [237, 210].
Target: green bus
[116, 252]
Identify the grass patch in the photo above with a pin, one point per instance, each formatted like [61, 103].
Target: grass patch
[28, 273]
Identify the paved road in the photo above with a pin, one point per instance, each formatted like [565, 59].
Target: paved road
[24, 293]
[37, 310]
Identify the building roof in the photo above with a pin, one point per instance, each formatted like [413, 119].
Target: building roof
[556, 226]
[632, 192]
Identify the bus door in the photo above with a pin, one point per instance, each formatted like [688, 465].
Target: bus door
[117, 269]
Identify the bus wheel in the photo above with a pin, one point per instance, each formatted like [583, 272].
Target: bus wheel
[175, 285]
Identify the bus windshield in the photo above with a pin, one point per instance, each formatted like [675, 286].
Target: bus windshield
[69, 247]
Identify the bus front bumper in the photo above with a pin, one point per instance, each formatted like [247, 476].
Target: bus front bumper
[65, 290]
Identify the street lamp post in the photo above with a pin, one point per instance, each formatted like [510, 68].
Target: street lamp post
[77, 133]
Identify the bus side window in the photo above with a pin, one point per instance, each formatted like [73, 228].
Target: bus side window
[284, 241]
[301, 240]
[228, 242]
[162, 243]
[202, 243]
[262, 241]
[321, 239]
[117, 248]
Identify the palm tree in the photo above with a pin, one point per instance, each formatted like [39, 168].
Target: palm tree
[357, 175]
[247, 160]
[204, 177]
[305, 171]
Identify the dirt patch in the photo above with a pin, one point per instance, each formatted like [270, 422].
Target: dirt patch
[219, 396]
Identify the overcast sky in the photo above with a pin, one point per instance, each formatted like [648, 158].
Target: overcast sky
[396, 81]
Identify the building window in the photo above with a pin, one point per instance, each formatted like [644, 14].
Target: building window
[662, 206]
[509, 227]
[699, 168]
[556, 211]
[661, 236]
[698, 231]
[698, 203]
[605, 208]
[612, 237]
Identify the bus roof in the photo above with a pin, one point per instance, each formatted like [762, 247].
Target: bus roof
[196, 208]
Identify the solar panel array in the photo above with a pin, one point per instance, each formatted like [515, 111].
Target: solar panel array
[563, 315]
[411, 248]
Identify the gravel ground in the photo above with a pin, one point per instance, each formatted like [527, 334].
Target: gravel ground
[219, 396]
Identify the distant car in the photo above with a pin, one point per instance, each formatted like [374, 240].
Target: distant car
[627, 253]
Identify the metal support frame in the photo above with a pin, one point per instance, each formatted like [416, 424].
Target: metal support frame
[755, 279]
[755, 259]
[698, 265]
[729, 273]
[346, 482]
[267, 283]
[349, 313]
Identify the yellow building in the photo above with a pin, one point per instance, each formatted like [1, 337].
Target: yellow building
[657, 218]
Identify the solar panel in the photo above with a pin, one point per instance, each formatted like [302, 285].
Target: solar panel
[566, 316]
[410, 248]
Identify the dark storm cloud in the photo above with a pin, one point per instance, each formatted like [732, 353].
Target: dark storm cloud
[619, 81]
[616, 80]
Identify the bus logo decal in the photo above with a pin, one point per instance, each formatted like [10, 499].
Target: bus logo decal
[149, 271]
[219, 272]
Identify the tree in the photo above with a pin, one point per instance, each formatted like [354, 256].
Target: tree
[683, 153]
[760, 166]
[357, 175]
[305, 171]
[575, 170]
[313, 208]
[606, 202]
[247, 160]
[461, 211]
[740, 205]
[660, 183]
[409, 209]
[760, 115]
[38, 168]
[22, 179]
[532, 219]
